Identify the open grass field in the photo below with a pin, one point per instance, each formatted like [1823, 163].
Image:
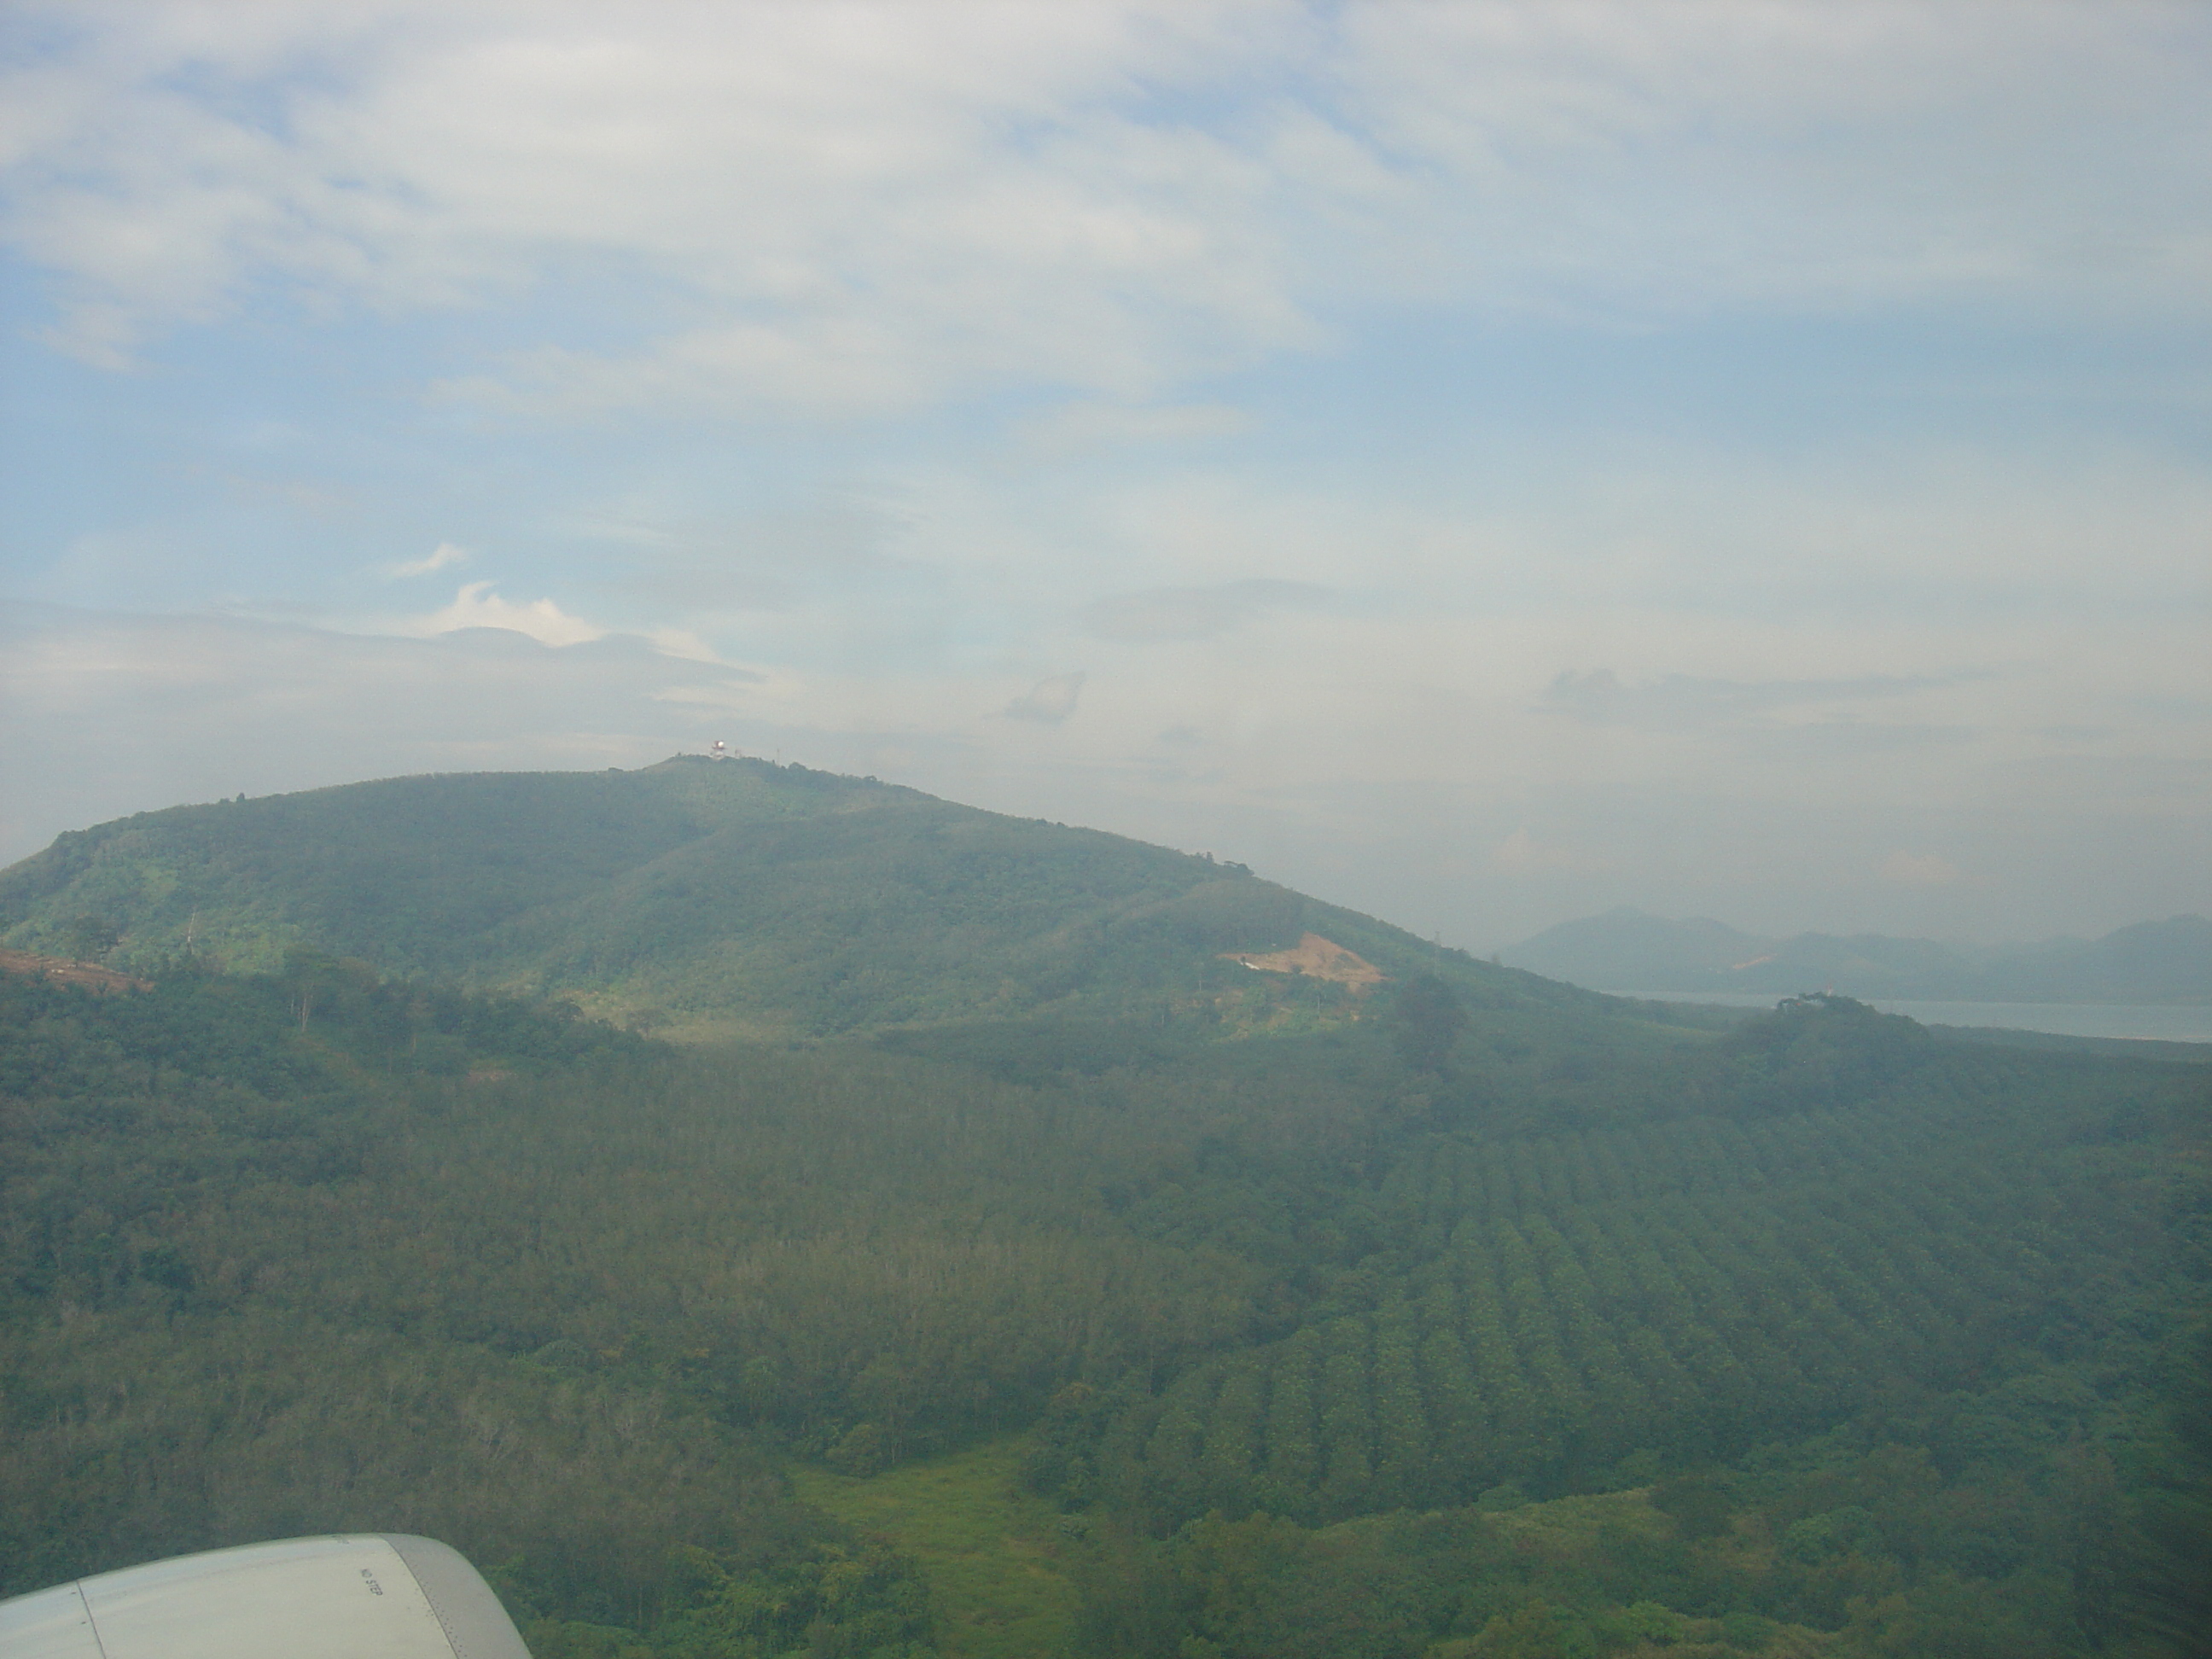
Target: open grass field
[993, 1552]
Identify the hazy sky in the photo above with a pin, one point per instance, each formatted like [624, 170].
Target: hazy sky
[1479, 462]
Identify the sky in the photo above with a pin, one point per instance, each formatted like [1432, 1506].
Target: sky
[1481, 463]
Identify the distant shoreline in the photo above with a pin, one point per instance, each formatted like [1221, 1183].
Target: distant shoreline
[2136, 1022]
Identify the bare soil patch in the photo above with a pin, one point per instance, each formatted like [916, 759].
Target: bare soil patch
[63, 971]
[1317, 958]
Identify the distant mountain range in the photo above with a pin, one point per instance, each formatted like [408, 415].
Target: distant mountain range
[1627, 950]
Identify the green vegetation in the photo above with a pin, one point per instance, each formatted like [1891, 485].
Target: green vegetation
[1903, 1532]
[1174, 1315]
[709, 899]
[996, 1555]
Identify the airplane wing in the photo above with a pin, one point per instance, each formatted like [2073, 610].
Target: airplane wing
[366, 1596]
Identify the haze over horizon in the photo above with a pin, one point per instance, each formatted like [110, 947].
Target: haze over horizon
[1481, 464]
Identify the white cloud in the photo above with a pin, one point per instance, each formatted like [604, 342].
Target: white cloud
[1618, 158]
[437, 558]
[477, 606]
[882, 202]
[870, 207]
[683, 642]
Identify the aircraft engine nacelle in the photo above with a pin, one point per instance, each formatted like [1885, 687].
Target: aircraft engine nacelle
[363, 1595]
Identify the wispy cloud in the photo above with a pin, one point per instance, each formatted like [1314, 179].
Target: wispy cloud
[1049, 702]
[845, 192]
[684, 643]
[477, 606]
[438, 558]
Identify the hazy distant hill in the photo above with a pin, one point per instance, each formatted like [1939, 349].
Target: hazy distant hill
[716, 897]
[1627, 949]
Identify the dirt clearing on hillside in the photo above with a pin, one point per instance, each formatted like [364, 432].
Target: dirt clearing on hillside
[63, 971]
[1317, 958]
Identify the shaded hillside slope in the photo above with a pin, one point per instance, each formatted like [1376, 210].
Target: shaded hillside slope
[715, 898]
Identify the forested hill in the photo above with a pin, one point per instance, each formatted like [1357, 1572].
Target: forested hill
[712, 898]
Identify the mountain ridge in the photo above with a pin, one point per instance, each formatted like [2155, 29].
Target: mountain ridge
[712, 899]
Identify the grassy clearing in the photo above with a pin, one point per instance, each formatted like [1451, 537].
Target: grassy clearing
[993, 1553]
[1573, 1524]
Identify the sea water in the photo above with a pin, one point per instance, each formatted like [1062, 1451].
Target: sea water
[2160, 1022]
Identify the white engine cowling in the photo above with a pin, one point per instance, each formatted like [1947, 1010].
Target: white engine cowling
[364, 1595]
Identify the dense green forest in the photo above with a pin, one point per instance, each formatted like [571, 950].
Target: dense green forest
[1456, 1317]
